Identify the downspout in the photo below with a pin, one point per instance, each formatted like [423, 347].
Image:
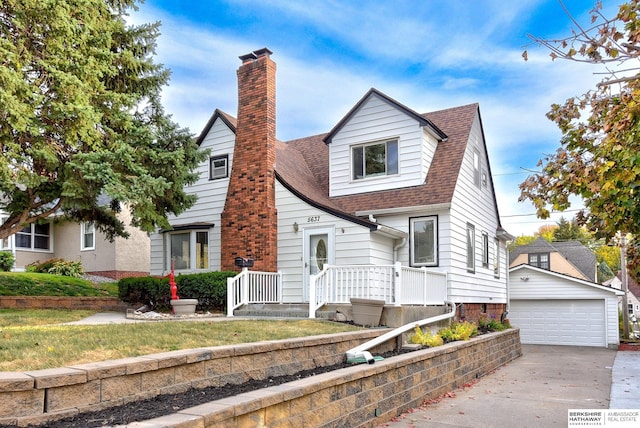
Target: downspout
[361, 353]
[505, 313]
[402, 243]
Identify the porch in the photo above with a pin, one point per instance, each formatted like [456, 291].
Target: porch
[409, 293]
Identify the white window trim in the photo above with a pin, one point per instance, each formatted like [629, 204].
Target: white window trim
[226, 167]
[83, 232]
[192, 249]
[485, 250]
[471, 248]
[436, 255]
[477, 168]
[33, 234]
[375, 143]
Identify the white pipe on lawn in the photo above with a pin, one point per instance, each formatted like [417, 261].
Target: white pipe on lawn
[363, 349]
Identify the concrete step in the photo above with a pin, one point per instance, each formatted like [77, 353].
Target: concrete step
[284, 310]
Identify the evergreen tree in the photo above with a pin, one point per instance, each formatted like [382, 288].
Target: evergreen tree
[81, 118]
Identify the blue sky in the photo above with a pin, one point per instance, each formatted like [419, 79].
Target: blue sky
[428, 55]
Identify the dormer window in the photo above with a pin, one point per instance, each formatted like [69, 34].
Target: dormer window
[374, 159]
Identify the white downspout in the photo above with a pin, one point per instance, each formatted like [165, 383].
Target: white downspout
[363, 350]
[402, 243]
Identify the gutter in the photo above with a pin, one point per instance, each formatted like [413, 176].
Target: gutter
[361, 353]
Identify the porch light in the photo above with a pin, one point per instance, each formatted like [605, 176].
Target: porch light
[295, 227]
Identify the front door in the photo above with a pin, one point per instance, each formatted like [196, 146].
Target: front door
[318, 252]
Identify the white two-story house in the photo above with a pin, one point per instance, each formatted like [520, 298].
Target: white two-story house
[390, 204]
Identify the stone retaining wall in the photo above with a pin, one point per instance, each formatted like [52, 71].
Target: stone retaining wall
[48, 302]
[362, 395]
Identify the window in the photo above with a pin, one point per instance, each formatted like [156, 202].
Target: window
[496, 261]
[540, 260]
[471, 248]
[424, 241]
[218, 167]
[485, 178]
[373, 160]
[485, 250]
[630, 308]
[4, 243]
[34, 237]
[202, 250]
[88, 236]
[476, 168]
[189, 250]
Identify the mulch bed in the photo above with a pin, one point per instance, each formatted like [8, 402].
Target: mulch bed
[171, 403]
[629, 346]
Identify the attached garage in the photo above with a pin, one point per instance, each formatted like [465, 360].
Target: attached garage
[556, 309]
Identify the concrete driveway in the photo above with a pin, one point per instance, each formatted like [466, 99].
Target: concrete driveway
[535, 390]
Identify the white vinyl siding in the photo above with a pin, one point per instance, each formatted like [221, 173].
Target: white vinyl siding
[532, 289]
[379, 121]
[475, 206]
[354, 244]
[211, 198]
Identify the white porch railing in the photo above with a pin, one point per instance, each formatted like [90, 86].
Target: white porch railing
[395, 284]
[253, 287]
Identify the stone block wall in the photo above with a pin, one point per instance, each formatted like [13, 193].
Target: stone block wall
[359, 396]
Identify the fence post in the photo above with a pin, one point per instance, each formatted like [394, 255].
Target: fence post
[244, 286]
[230, 297]
[312, 296]
[397, 284]
[280, 300]
[425, 286]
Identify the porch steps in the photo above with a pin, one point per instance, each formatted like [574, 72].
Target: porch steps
[284, 310]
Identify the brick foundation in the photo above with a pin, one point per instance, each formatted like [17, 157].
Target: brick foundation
[474, 311]
[118, 274]
[99, 304]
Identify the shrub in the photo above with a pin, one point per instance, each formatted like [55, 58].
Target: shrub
[491, 324]
[66, 268]
[458, 331]
[425, 338]
[41, 267]
[146, 290]
[6, 261]
[210, 288]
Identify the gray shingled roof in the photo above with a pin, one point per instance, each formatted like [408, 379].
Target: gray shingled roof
[577, 254]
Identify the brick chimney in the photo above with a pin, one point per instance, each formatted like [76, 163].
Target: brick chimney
[250, 218]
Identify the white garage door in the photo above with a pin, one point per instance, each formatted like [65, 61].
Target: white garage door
[559, 322]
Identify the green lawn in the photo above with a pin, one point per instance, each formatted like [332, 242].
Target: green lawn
[33, 339]
[44, 284]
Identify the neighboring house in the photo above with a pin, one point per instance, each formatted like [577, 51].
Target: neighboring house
[569, 258]
[81, 242]
[552, 308]
[384, 202]
[633, 293]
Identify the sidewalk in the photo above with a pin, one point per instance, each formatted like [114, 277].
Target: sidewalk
[537, 390]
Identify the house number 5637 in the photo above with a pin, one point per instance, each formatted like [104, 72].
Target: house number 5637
[313, 219]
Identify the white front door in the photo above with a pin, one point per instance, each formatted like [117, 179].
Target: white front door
[318, 251]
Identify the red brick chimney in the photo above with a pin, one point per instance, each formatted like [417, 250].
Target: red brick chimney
[250, 218]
